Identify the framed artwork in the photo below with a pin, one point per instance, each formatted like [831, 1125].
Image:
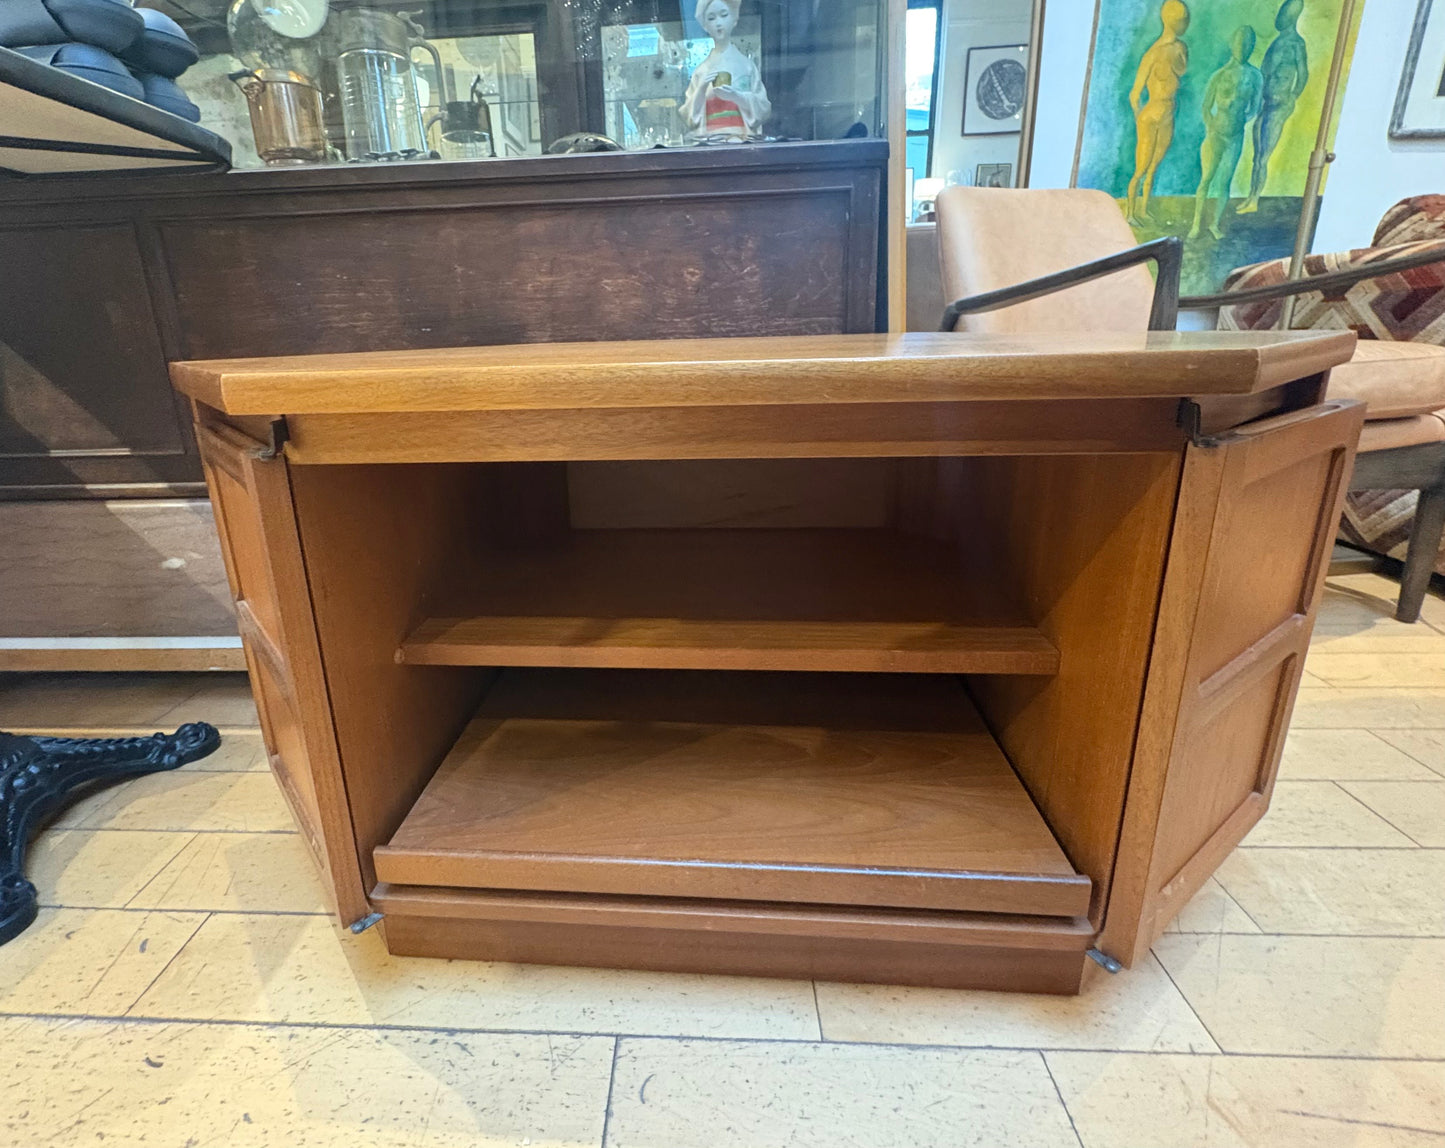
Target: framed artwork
[1200, 119]
[1420, 104]
[994, 175]
[995, 86]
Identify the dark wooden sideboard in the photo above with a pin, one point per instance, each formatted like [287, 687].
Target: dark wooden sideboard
[105, 281]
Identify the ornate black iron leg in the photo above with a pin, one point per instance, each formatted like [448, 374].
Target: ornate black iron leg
[37, 774]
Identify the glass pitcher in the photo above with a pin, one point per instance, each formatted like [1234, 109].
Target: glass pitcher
[380, 107]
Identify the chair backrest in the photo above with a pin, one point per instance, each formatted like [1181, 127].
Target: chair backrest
[995, 237]
[1411, 220]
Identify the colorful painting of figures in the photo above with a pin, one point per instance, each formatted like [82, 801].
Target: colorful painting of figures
[1201, 118]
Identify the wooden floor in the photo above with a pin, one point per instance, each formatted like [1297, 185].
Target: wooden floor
[183, 986]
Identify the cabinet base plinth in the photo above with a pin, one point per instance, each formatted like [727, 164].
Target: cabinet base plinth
[761, 941]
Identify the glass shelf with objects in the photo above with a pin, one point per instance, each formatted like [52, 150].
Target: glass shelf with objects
[336, 82]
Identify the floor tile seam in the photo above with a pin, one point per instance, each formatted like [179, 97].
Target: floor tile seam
[678, 1038]
[1378, 689]
[187, 909]
[1233, 900]
[1318, 936]
[140, 996]
[611, 1084]
[325, 915]
[1059, 1092]
[129, 829]
[119, 730]
[1416, 780]
[1327, 684]
[190, 697]
[1366, 805]
[1354, 847]
[1376, 733]
[1189, 1004]
[181, 848]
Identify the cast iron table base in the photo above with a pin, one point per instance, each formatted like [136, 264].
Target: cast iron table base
[37, 774]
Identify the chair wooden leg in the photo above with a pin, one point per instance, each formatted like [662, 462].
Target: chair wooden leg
[1425, 536]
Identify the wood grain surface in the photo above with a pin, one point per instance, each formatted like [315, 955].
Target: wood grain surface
[826, 813]
[829, 942]
[908, 367]
[856, 600]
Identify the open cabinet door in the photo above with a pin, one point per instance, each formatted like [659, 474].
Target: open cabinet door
[251, 492]
[1254, 527]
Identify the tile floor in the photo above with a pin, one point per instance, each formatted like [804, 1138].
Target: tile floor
[185, 987]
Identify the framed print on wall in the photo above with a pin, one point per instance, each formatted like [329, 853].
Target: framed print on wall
[1420, 104]
[1200, 120]
[995, 86]
[994, 175]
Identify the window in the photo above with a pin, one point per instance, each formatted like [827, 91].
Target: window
[921, 78]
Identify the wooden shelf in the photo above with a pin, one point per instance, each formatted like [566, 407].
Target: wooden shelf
[881, 790]
[853, 600]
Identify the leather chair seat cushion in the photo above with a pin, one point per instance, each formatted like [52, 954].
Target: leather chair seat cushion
[1386, 434]
[109, 24]
[88, 63]
[1394, 380]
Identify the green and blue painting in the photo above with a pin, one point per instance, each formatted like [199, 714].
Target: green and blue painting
[1201, 118]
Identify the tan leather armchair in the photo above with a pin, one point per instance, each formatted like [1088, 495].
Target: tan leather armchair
[1032, 260]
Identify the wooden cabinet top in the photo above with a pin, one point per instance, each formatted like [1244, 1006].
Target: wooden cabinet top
[914, 367]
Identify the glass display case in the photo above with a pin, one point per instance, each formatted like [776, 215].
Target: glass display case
[317, 82]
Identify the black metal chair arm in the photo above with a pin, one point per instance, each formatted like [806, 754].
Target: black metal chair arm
[1167, 254]
[1330, 281]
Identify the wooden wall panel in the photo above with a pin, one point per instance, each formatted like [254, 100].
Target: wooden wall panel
[112, 569]
[106, 281]
[81, 364]
[687, 266]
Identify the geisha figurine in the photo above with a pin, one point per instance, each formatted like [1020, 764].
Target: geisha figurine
[725, 97]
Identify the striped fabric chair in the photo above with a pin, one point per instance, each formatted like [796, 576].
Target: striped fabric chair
[1398, 371]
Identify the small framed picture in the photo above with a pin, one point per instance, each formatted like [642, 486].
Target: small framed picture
[1420, 103]
[995, 85]
[994, 175]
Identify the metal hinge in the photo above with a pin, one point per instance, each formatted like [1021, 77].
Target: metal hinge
[1103, 960]
[365, 923]
[1191, 418]
[279, 436]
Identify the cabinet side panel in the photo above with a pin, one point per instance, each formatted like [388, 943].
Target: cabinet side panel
[1083, 539]
[377, 540]
[1247, 561]
[256, 523]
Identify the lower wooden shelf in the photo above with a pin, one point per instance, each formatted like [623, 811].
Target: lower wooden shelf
[852, 600]
[876, 790]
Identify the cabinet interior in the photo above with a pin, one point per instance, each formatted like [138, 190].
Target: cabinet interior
[831, 681]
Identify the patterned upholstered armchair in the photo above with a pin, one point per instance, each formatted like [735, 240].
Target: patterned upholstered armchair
[1055, 259]
[1392, 294]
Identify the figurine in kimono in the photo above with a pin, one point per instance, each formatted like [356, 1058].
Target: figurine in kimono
[725, 98]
